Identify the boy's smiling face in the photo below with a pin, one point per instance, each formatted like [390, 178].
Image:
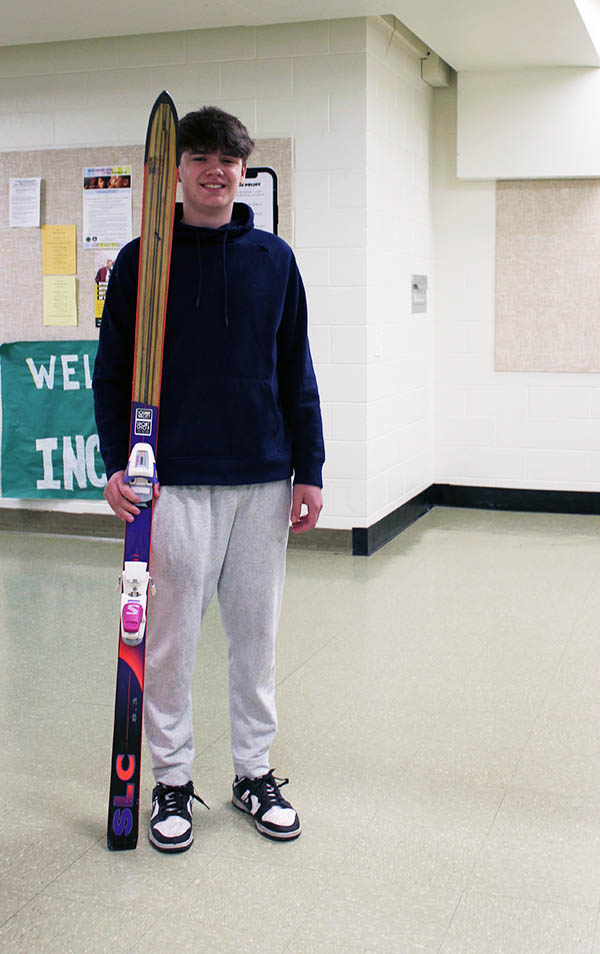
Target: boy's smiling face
[209, 182]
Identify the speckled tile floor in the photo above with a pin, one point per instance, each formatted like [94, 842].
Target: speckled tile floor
[439, 708]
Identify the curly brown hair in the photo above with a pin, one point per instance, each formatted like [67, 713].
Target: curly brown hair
[211, 129]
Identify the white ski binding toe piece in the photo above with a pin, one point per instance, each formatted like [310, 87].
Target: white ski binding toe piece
[141, 472]
[134, 596]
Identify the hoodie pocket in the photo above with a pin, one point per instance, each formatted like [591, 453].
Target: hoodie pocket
[222, 417]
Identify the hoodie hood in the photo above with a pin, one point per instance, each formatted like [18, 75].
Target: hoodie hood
[241, 222]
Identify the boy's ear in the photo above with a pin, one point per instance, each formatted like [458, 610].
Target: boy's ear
[243, 176]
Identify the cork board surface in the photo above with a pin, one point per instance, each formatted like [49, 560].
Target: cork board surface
[61, 204]
[547, 295]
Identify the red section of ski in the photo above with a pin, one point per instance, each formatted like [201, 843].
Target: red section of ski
[133, 656]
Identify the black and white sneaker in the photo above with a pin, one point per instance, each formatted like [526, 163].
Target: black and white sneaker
[171, 819]
[261, 798]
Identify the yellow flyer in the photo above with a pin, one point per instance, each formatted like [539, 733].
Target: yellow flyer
[59, 255]
[60, 301]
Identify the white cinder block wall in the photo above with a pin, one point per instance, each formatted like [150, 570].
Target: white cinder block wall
[524, 430]
[351, 97]
[400, 345]
[375, 161]
[302, 80]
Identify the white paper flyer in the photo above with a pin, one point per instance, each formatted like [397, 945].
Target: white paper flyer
[107, 222]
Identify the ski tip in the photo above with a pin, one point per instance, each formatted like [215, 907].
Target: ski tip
[162, 100]
[165, 97]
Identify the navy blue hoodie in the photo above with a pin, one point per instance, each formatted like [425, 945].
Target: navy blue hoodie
[239, 400]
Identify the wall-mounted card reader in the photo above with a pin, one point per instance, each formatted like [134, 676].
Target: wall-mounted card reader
[418, 286]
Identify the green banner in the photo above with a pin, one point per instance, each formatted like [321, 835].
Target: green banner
[50, 446]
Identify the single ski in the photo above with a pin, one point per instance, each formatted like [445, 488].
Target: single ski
[158, 210]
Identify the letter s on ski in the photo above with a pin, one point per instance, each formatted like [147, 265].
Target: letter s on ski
[122, 822]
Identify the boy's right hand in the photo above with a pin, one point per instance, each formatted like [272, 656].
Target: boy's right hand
[121, 498]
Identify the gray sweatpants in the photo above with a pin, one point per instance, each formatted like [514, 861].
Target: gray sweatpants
[232, 540]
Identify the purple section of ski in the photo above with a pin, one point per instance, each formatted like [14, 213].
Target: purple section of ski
[127, 737]
[125, 770]
[144, 427]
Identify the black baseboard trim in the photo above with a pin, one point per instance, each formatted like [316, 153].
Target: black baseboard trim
[334, 541]
[22, 520]
[366, 540]
[510, 498]
[360, 541]
[61, 522]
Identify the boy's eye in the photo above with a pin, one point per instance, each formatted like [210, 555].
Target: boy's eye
[225, 160]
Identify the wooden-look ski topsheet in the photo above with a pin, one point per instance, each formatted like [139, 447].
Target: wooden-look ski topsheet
[158, 210]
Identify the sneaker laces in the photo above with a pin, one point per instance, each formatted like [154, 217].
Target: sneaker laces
[266, 788]
[173, 799]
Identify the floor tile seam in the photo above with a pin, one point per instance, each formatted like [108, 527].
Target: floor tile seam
[297, 934]
[438, 720]
[491, 895]
[567, 905]
[585, 801]
[308, 659]
[469, 878]
[532, 898]
[551, 682]
[418, 894]
[227, 854]
[18, 911]
[460, 690]
[144, 932]
[470, 883]
[200, 751]
[167, 909]
[42, 890]
[210, 857]
[596, 928]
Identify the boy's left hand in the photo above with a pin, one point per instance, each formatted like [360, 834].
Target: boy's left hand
[312, 498]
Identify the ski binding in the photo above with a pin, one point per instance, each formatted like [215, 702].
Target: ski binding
[141, 472]
[134, 596]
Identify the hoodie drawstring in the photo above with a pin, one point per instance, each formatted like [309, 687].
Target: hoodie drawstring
[225, 279]
[199, 287]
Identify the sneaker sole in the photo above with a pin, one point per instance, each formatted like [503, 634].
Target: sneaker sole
[266, 832]
[169, 849]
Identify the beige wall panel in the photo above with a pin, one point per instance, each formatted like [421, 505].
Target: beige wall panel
[61, 204]
[548, 275]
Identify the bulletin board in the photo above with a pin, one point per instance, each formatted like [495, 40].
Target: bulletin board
[547, 295]
[61, 204]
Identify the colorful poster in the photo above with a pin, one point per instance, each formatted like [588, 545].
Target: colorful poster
[107, 219]
[50, 447]
[103, 267]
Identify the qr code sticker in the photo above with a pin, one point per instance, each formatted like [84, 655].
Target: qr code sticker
[143, 422]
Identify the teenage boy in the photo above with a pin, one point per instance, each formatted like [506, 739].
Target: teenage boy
[239, 417]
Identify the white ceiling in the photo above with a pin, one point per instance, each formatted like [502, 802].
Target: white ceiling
[468, 34]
